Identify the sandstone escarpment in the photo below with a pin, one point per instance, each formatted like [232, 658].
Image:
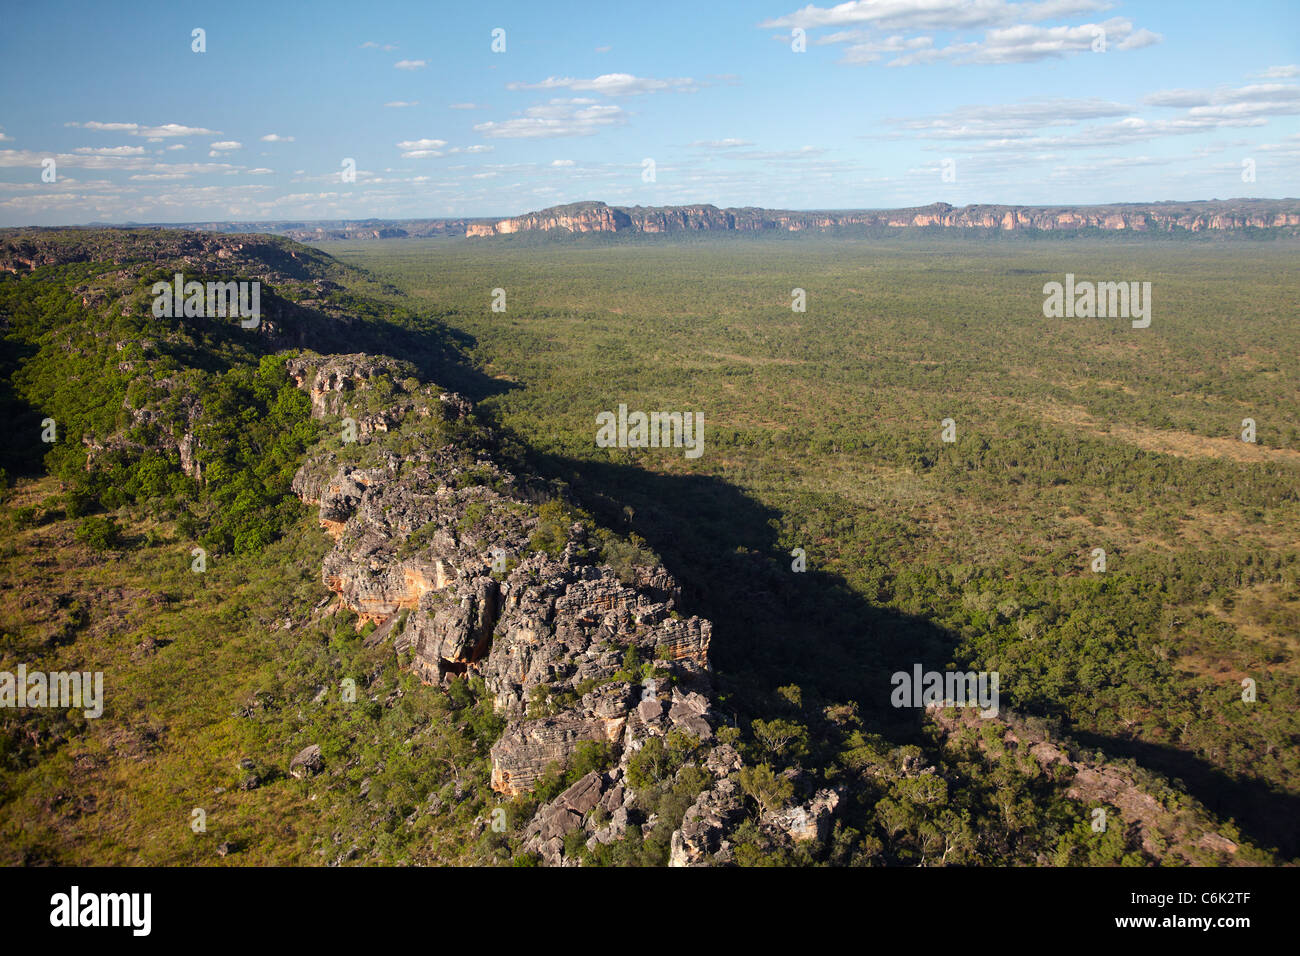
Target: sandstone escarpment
[575, 217]
[1194, 217]
[566, 633]
[434, 545]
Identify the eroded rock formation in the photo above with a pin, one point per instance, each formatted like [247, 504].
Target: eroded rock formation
[434, 547]
[1193, 217]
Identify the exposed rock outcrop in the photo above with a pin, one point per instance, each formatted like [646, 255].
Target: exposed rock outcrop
[1214, 215]
[1185, 832]
[434, 547]
[307, 762]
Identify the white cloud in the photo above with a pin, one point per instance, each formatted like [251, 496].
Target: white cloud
[464, 106]
[611, 84]
[1261, 92]
[1239, 111]
[166, 131]
[226, 145]
[721, 143]
[421, 148]
[1139, 39]
[1257, 99]
[276, 138]
[562, 162]
[410, 64]
[433, 148]
[932, 14]
[110, 150]
[1024, 43]
[865, 49]
[1025, 127]
[399, 104]
[1011, 36]
[1281, 72]
[559, 117]
[1010, 119]
[110, 161]
[170, 130]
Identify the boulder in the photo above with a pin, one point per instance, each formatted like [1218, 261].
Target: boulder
[307, 762]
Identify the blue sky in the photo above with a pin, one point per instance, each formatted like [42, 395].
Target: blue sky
[1036, 102]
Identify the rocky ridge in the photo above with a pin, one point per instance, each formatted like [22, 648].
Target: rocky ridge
[1185, 832]
[1194, 217]
[433, 546]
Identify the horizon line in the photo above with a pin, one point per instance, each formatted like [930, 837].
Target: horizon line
[576, 202]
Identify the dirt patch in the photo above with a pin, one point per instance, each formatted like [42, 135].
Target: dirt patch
[1180, 444]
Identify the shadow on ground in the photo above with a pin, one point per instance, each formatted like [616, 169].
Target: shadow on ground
[773, 626]
[1265, 815]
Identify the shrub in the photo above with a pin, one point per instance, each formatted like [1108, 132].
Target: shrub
[766, 788]
[99, 533]
[552, 531]
[25, 517]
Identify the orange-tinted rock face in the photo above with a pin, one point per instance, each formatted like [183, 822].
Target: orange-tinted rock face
[593, 217]
[578, 217]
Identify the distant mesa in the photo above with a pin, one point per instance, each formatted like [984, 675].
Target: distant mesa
[1211, 215]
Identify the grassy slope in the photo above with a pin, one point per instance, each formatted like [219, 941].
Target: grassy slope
[201, 673]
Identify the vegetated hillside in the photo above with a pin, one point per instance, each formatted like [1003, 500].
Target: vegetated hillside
[469, 642]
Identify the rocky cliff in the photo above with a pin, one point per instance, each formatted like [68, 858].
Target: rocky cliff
[437, 547]
[575, 217]
[1195, 217]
